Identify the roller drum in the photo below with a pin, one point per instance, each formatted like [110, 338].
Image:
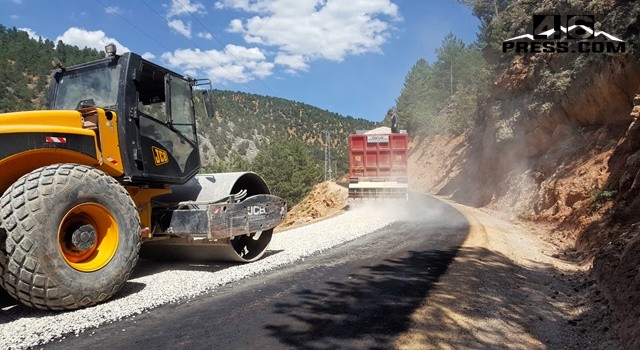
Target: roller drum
[212, 188]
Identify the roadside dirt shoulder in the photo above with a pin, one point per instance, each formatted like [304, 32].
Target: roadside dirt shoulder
[508, 289]
[326, 200]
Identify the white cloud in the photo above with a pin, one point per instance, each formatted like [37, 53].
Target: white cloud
[31, 33]
[91, 39]
[181, 7]
[181, 27]
[293, 62]
[17, 1]
[233, 64]
[306, 30]
[204, 35]
[235, 26]
[113, 10]
[148, 56]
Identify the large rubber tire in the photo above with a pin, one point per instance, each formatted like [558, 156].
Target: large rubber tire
[38, 213]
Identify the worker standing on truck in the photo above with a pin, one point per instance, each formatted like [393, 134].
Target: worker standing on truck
[394, 120]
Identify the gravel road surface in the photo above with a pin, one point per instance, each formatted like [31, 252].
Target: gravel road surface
[155, 284]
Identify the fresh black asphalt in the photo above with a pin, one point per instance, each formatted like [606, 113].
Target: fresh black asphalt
[359, 295]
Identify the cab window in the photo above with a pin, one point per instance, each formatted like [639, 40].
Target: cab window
[182, 112]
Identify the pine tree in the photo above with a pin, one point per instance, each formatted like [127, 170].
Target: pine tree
[450, 59]
[412, 104]
[486, 10]
[453, 81]
[288, 168]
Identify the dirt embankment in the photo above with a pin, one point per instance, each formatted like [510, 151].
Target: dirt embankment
[614, 238]
[507, 290]
[583, 190]
[325, 200]
[569, 161]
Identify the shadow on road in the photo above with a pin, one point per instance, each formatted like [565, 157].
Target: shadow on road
[368, 311]
[374, 304]
[11, 309]
[147, 267]
[418, 298]
[496, 302]
[485, 301]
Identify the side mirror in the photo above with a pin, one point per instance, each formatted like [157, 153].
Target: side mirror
[207, 98]
[57, 64]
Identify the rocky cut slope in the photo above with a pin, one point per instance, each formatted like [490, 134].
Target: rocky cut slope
[615, 237]
[557, 141]
[546, 109]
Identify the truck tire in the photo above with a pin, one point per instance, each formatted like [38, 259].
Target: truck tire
[72, 237]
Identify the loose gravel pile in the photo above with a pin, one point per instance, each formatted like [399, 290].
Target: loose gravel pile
[21, 327]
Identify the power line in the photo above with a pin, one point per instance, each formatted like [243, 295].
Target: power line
[328, 175]
[205, 51]
[136, 27]
[146, 34]
[215, 37]
[189, 65]
[191, 41]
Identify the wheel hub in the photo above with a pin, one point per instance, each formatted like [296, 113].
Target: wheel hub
[88, 237]
[84, 237]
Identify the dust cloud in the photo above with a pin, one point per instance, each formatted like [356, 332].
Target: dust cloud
[418, 209]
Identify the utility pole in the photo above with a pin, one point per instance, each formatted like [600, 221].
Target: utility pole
[328, 175]
[451, 77]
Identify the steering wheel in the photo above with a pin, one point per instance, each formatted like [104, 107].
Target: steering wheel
[86, 103]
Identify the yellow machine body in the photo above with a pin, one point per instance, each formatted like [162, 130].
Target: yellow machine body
[88, 137]
[38, 138]
[114, 162]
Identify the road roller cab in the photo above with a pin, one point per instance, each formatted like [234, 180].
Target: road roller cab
[113, 165]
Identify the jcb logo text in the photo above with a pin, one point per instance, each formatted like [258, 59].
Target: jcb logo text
[256, 210]
[160, 156]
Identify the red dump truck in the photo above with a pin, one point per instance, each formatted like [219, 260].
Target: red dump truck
[378, 165]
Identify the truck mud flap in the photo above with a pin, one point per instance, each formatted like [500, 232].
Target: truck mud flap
[382, 193]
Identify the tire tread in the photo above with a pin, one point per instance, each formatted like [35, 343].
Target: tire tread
[21, 275]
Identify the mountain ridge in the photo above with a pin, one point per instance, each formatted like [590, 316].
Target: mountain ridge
[243, 123]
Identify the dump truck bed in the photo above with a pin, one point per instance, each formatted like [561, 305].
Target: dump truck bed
[378, 165]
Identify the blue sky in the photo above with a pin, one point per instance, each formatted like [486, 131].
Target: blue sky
[344, 56]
